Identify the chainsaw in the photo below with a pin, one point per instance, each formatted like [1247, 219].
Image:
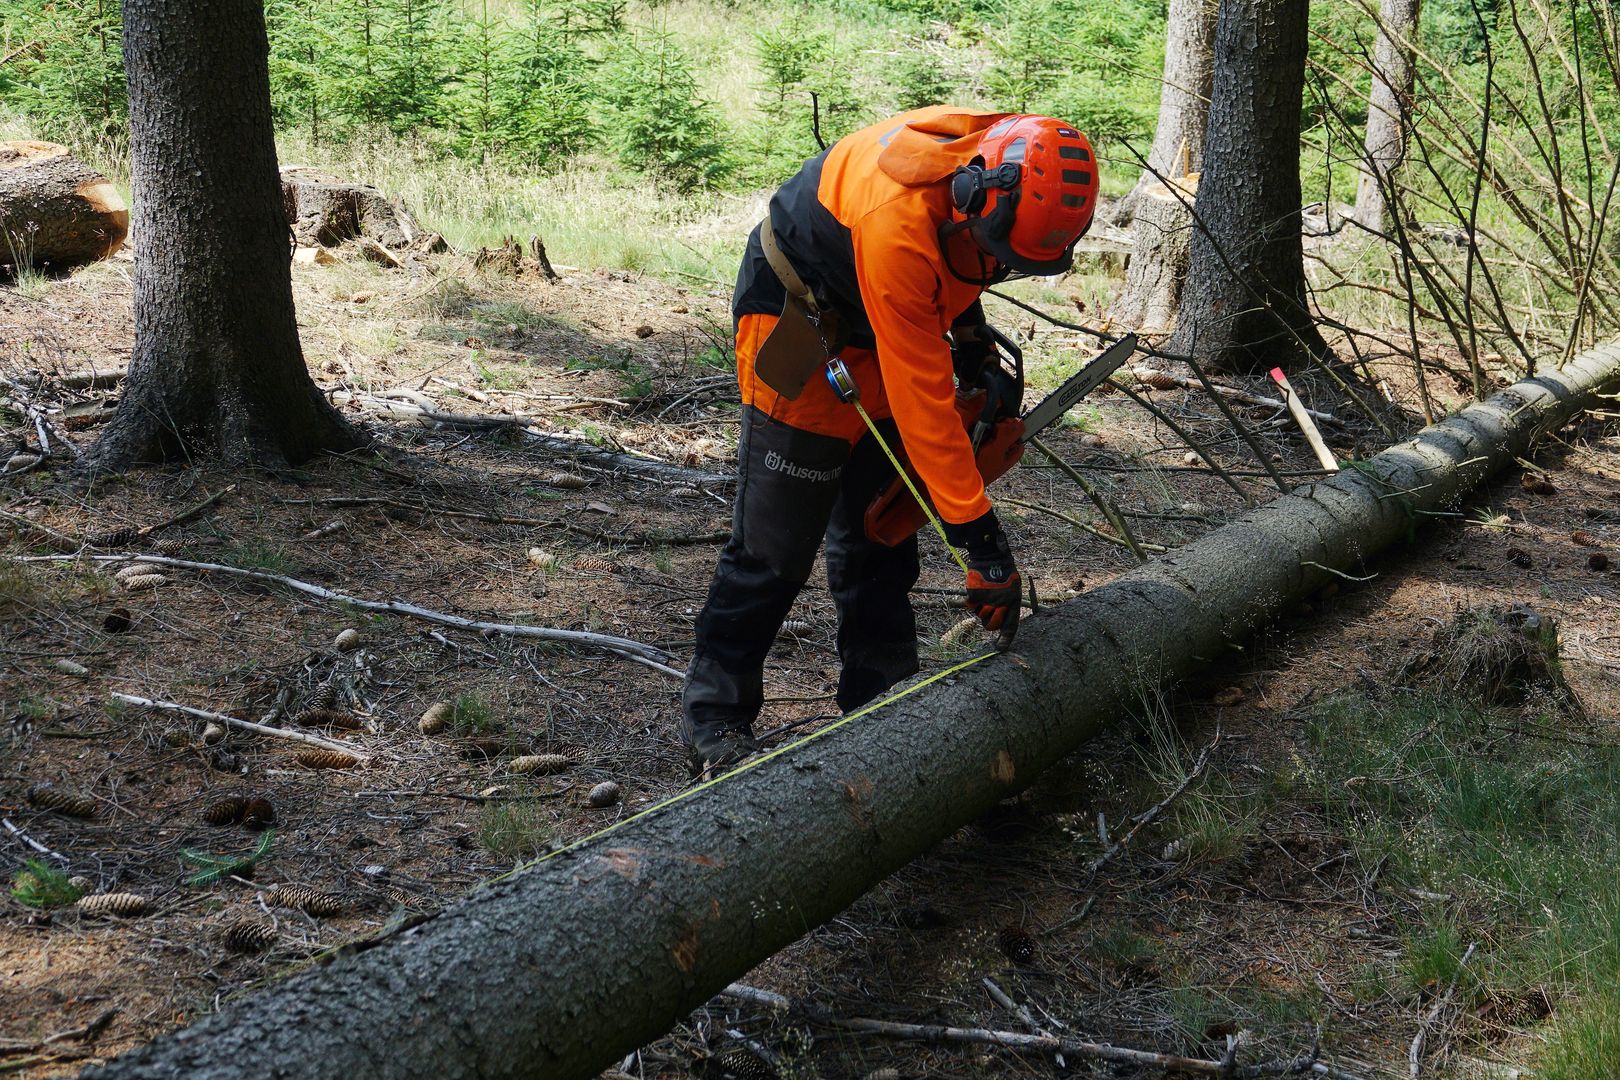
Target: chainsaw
[989, 412]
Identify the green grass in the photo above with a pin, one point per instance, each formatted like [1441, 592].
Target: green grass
[514, 829]
[472, 715]
[1521, 830]
[265, 555]
[41, 886]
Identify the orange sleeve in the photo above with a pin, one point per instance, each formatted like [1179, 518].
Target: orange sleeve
[900, 289]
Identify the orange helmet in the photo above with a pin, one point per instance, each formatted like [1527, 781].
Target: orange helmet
[1028, 196]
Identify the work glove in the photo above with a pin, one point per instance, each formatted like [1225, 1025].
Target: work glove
[971, 352]
[994, 588]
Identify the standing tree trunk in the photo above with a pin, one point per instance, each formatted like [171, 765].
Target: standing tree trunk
[1389, 109]
[1244, 303]
[217, 371]
[1189, 67]
[1161, 224]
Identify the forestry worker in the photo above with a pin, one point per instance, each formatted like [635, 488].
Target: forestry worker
[876, 254]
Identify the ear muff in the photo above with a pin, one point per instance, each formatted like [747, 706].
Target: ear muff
[971, 184]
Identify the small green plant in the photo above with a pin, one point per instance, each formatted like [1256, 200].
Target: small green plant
[514, 828]
[213, 868]
[260, 555]
[39, 885]
[472, 715]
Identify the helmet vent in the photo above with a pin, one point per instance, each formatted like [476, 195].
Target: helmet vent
[1074, 153]
[1076, 176]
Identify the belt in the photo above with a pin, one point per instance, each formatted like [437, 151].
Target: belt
[783, 269]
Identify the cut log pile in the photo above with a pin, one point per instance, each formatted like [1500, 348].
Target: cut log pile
[56, 212]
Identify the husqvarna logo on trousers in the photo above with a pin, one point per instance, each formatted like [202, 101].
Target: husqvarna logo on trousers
[775, 462]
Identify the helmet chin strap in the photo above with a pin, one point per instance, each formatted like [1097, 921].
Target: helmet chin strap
[990, 271]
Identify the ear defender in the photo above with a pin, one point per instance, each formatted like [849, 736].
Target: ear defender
[972, 183]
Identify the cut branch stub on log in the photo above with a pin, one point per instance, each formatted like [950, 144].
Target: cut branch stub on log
[601, 947]
[56, 212]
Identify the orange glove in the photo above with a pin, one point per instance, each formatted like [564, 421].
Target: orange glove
[994, 589]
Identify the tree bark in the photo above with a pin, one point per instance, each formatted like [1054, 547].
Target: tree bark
[217, 371]
[1244, 304]
[326, 210]
[56, 212]
[1389, 109]
[561, 968]
[1189, 67]
[1162, 244]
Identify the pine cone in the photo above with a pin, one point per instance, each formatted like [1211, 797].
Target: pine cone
[402, 897]
[540, 764]
[566, 481]
[118, 621]
[258, 813]
[1597, 561]
[337, 718]
[141, 582]
[249, 937]
[604, 794]
[436, 718]
[1537, 483]
[173, 545]
[593, 564]
[308, 900]
[1016, 944]
[745, 1065]
[318, 757]
[324, 697]
[113, 903]
[116, 538]
[1585, 539]
[136, 569]
[796, 626]
[226, 811]
[70, 803]
[955, 634]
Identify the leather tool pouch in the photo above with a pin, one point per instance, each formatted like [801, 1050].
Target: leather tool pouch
[794, 351]
[806, 335]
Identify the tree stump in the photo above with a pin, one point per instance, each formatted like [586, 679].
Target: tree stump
[1161, 234]
[56, 212]
[325, 210]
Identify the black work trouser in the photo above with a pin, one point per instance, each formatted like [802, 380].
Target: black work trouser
[794, 488]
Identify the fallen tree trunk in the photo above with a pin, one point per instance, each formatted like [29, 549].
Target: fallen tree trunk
[558, 970]
[56, 212]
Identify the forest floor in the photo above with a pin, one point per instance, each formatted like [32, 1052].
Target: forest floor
[1305, 886]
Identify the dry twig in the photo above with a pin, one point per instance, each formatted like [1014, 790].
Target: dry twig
[1149, 816]
[631, 650]
[245, 725]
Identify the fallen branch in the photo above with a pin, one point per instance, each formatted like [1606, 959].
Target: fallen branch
[622, 646]
[1197, 447]
[1046, 1044]
[1109, 510]
[1414, 1056]
[1152, 375]
[31, 842]
[1083, 526]
[245, 725]
[621, 539]
[1148, 816]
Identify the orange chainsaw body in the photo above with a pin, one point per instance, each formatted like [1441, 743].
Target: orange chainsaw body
[895, 515]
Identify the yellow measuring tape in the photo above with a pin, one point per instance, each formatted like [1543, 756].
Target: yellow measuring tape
[894, 460]
[752, 764]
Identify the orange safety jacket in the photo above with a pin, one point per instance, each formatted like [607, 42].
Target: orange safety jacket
[860, 223]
